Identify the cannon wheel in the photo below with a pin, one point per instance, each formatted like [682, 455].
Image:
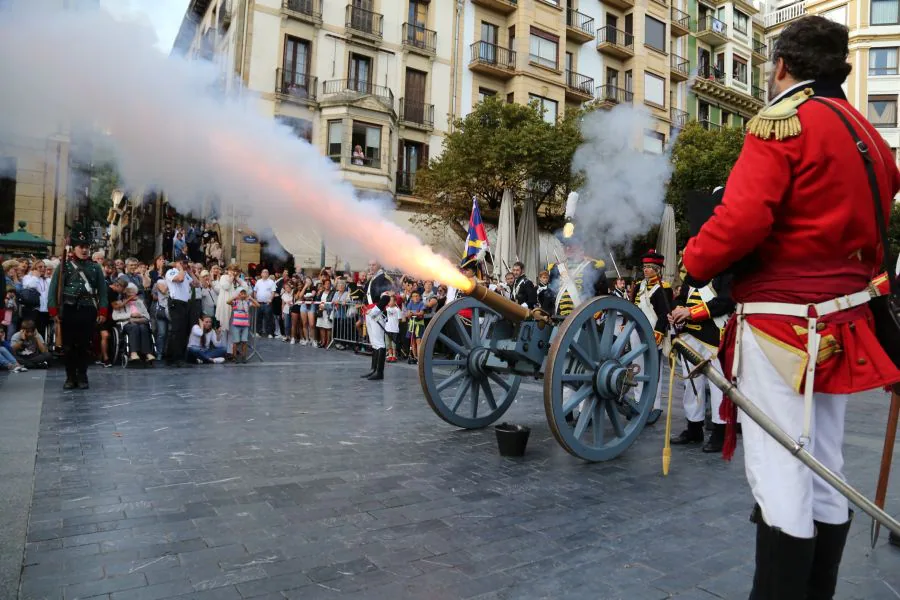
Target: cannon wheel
[458, 386]
[600, 365]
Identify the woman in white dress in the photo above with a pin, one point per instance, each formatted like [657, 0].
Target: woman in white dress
[226, 287]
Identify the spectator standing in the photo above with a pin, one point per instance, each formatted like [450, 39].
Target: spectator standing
[204, 344]
[392, 329]
[35, 300]
[208, 297]
[287, 301]
[159, 315]
[415, 311]
[180, 247]
[10, 312]
[28, 347]
[341, 310]
[240, 324]
[263, 293]
[308, 313]
[324, 321]
[179, 282]
[227, 286]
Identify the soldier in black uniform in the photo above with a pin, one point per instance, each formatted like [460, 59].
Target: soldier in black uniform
[77, 299]
[379, 283]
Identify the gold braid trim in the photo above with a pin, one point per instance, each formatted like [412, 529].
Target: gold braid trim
[779, 119]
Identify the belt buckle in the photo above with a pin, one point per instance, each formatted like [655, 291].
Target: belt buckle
[812, 311]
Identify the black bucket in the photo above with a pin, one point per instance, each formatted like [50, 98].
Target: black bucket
[512, 439]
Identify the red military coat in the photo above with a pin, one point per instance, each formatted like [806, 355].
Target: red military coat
[798, 226]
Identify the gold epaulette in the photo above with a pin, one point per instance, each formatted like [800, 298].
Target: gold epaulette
[779, 119]
[666, 284]
[599, 264]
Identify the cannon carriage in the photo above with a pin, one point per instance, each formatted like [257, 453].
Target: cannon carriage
[599, 367]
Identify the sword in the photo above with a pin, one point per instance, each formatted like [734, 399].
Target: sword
[886, 455]
[770, 427]
[615, 266]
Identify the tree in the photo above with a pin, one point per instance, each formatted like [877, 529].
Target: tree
[701, 159]
[104, 178]
[498, 146]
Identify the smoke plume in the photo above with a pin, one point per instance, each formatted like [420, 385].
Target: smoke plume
[624, 190]
[84, 70]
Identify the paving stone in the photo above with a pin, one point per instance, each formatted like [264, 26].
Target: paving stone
[356, 490]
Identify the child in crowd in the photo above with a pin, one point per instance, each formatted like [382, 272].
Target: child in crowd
[392, 329]
[415, 310]
[9, 313]
[7, 360]
[287, 301]
[240, 324]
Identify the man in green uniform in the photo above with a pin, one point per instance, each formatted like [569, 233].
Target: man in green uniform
[77, 299]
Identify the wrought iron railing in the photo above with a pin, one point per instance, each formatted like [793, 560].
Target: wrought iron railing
[417, 36]
[680, 64]
[760, 48]
[420, 113]
[617, 37]
[365, 21]
[492, 54]
[679, 117]
[681, 18]
[579, 21]
[614, 94]
[310, 8]
[406, 182]
[711, 73]
[580, 83]
[758, 93]
[709, 125]
[711, 24]
[339, 86]
[296, 85]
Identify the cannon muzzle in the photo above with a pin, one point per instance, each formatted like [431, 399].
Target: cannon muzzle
[508, 309]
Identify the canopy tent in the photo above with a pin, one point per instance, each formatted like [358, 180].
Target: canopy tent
[22, 242]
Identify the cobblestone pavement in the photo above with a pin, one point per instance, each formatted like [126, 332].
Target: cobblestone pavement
[294, 478]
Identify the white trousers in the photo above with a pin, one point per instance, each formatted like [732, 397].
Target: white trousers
[695, 401]
[375, 329]
[639, 389]
[791, 496]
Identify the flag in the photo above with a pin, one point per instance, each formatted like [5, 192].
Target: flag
[476, 240]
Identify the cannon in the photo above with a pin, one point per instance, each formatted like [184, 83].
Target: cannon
[599, 367]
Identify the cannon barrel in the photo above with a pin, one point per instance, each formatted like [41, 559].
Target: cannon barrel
[507, 308]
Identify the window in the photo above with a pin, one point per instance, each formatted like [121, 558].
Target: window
[655, 33]
[838, 15]
[7, 194]
[654, 142]
[487, 50]
[544, 49]
[654, 89]
[360, 73]
[512, 38]
[366, 141]
[882, 61]
[740, 22]
[548, 106]
[511, 98]
[739, 68]
[726, 118]
[883, 111]
[335, 139]
[301, 127]
[629, 81]
[885, 12]
[484, 93]
[295, 74]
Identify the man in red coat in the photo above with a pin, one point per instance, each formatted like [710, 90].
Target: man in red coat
[797, 228]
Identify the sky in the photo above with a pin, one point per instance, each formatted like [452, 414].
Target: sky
[164, 16]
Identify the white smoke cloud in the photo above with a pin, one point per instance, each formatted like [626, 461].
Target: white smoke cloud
[84, 70]
[624, 190]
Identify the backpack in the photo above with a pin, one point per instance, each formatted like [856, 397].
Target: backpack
[29, 297]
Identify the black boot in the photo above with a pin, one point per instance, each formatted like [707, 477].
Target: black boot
[692, 435]
[372, 366]
[83, 381]
[830, 540]
[716, 439]
[379, 365]
[71, 378]
[783, 563]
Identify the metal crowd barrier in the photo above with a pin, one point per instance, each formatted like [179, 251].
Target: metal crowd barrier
[349, 327]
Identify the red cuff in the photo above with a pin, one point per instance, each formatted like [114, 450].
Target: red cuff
[699, 312]
[882, 284]
[658, 336]
[103, 312]
[53, 311]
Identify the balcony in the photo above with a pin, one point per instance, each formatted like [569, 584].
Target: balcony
[365, 24]
[712, 31]
[579, 26]
[679, 118]
[662, 2]
[681, 68]
[579, 88]
[419, 40]
[491, 59]
[416, 114]
[760, 53]
[359, 159]
[501, 6]
[709, 125]
[296, 87]
[609, 95]
[351, 90]
[620, 4]
[758, 93]
[308, 11]
[406, 182]
[681, 23]
[788, 13]
[712, 82]
[615, 42]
